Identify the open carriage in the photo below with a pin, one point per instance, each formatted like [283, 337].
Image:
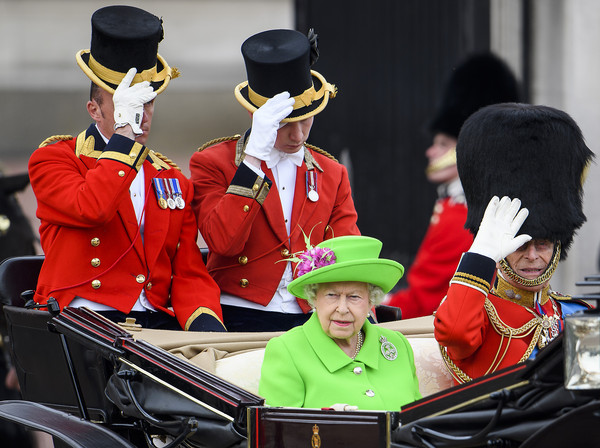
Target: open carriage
[91, 383]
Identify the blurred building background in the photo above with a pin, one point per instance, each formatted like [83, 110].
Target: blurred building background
[389, 59]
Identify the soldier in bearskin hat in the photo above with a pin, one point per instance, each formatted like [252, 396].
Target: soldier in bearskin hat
[500, 308]
[482, 79]
[263, 196]
[117, 228]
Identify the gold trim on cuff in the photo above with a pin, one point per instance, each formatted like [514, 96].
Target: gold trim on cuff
[198, 312]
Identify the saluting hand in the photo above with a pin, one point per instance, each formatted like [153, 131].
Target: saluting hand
[501, 221]
[265, 123]
[129, 102]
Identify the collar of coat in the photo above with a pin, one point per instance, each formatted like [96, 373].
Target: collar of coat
[310, 161]
[91, 144]
[332, 356]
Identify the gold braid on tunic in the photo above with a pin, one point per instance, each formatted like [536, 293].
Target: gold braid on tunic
[536, 325]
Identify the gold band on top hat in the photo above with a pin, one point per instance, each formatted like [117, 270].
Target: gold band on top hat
[103, 76]
[114, 77]
[305, 99]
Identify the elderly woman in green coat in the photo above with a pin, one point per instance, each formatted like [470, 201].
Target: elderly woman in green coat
[338, 359]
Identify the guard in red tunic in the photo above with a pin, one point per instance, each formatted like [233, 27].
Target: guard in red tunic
[117, 228]
[261, 197]
[482, 79]
[500, 308]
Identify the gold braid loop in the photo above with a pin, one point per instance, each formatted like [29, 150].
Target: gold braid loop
[54, 139]
[320, 151]
[503, 330]
[218, 140]
[506, 330]
[460, 376]
[166, 160]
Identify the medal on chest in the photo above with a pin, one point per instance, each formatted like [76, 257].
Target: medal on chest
[168, 193]
[551, 325]
[159, 189]
[311, 186]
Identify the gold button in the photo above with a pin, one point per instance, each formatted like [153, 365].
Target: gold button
[149, 286]
[96, 284]
[285, 253]
[244, 282]
[243, 259]
[246, 208]
[140, 278]
[95, 242]
[95, 262]
[255, 187]
[121, 173]
[132, 155]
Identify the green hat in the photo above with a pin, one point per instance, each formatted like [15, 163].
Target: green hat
[355, 259]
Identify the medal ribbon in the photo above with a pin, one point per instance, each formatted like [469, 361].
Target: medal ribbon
[159, 187]
[311, 182]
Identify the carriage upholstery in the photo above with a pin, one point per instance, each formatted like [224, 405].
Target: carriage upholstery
[237, 357]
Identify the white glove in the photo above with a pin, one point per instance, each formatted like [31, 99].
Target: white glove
[265, 123]
[343, 407]
[501, 221]
[129, 101]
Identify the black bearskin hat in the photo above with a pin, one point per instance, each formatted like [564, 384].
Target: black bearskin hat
[481, 80]
[534, 153]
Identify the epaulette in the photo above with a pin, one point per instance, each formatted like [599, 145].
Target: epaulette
[54, 139]
[219, 140]
[160, 161]
[558, 296]
[320, 151]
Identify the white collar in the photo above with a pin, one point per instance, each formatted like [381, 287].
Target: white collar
[296, 158]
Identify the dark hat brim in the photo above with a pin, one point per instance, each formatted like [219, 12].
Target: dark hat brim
[83, 60]
[242, 94]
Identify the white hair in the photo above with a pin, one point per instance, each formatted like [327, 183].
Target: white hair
[376, 294]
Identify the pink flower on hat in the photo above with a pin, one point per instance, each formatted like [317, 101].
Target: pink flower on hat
[314, 258]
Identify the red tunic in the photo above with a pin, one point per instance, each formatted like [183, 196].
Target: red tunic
[241, 218]
[473, 323]
[429, 276]
[89, 232]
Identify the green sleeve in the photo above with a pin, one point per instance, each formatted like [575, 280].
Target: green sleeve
[280, 382]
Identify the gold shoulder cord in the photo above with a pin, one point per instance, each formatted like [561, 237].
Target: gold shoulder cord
[504, 331]
[218, 140]
[54, 139]
[320, 151]
[163, 161]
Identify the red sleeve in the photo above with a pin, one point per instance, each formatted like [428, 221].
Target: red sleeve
[460, 323]
[227, 199]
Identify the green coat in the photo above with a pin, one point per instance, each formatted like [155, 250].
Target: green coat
[305, 368]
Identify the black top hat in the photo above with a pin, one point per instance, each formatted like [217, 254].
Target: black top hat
[124, 37]
[481, 80]
[534, 153]
[278, 61]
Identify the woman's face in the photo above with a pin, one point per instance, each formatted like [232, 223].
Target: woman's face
[342, 308]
